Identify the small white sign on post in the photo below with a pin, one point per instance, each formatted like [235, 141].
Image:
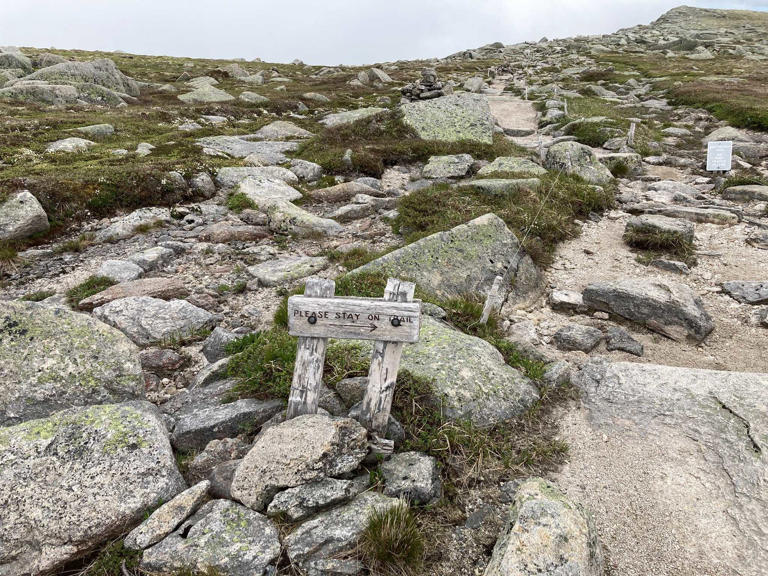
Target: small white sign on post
[719, 156]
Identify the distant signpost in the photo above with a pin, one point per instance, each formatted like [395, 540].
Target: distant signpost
[719, 156]
[317, 316]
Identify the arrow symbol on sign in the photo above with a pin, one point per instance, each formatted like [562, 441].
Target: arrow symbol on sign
[371, 326]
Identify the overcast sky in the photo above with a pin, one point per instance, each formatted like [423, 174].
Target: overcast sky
[317, 31]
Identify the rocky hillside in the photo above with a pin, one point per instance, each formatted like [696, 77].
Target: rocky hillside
[608, 415]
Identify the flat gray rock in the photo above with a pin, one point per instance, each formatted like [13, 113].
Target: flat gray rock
[223, 536]
[163, 288]
[194, 430]
[512, 164]
[464, 260]
[52, 358]
[619, 339]
[451, 118]
[335, 532]
[298, 503]
[205, 95]
[120, 270]
[79, 478]
[72, 144]
[413, 476]
[243, 146]
[282, 130]
[149, 321]
[97, 130]
[344, 118]
[301, 450]
[126, 226]
[578, 337]
[453, 166]
[746, 193]
[747, 292]
[666, 307]
[546, 533]
[691, 213]
[21, 216]
[671, 461]
[167, 518]
[287, 269]
[502, 186]
[659, 229]
[231, 177]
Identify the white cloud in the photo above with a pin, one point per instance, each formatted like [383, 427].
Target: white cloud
[317, 31]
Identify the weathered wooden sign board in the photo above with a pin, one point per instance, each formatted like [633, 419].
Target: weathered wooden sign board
[316, 316]
[719, 156]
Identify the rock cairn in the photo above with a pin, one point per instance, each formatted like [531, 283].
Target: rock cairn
[427, 88]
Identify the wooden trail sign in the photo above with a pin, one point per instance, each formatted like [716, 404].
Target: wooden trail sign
[316, 316]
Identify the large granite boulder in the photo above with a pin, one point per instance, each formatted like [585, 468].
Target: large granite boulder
[58, 95]
[578, 159]
[21, 216]
[672, 463]
[206, 95]
[102, 72]
[546, 533]
[52, 358]
[79, 478]
[464, 261]
[295, 452]
[666, 307]
[223, 537]
[148, 321]
[333, 533]
[163, 288]
[451, 118]
[470, 378]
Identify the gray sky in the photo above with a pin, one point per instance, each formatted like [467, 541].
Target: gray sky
[317, 31]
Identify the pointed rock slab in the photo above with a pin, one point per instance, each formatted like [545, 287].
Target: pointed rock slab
[747, 292]
[690, 213]
[281, 130]
[21, 216]
[463, 261]
[167, 518]
[451, 118]
[162, 288]
[546, 532]
[335, 532]
[79, 478]
[295, 452]
[149, 321]
[578, 159]
[350, 116]
[746, 193]
[412, 476]
[223, 536]
[287, 269]
[52, 358]
[231, 176]
[301, 502]
[287, 218]
[666, 307]
[672, 462]
[242, 146]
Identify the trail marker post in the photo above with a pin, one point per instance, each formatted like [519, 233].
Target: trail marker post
[390, 322]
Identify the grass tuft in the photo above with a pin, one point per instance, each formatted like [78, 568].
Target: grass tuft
[89, 287]
[392, 543]
[38, 296]
[239, 202]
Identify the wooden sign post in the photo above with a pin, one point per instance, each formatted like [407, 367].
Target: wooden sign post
[317, 315]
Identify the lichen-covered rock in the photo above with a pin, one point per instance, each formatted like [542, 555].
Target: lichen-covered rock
[510, 186]
[223, 536]
[149, 321]
[747, 193]
[578, 159]
[335, 532]
[166, 519]
[233, 176]
[72, 144]
[287, 269]
[120, 270]
[58, 95]
[668, 308]
[243, 147]
[546, 533]
[350, 116]
[51, 359]
[413, 476]
[451, 118]
[102, 72]
[512, 164]
[281, 130]
[470, 378]
[577, 337]
[78, 478]
[126, 226]
[205, 95]
[463, 261]
[302, 501]
[295, 452]
[452, 166]
[21, 216]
